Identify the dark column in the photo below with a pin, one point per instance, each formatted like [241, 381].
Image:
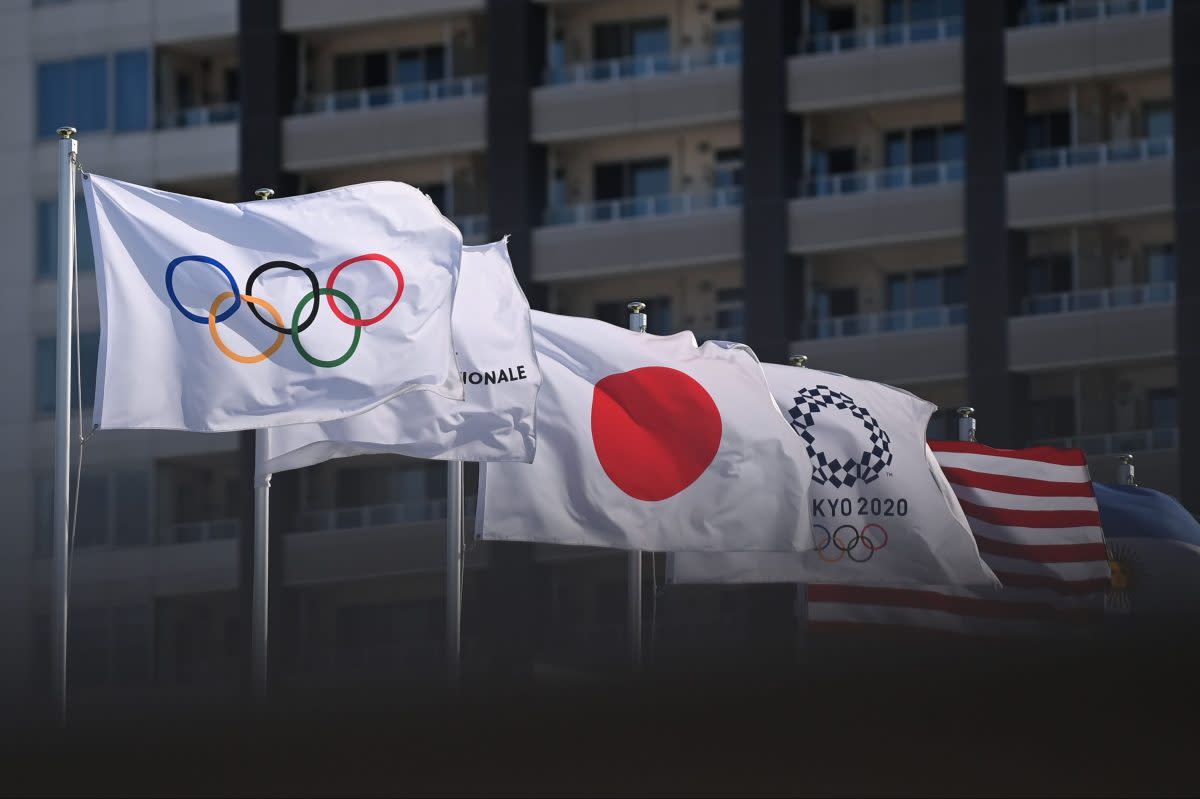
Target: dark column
[516, 199]
[267, 61]
[1185, 77]
[771, 161]
[995, 254]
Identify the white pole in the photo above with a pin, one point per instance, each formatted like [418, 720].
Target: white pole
[966, 423]
[68, 148]
[637, 323]
[800, 607]
[454, 569]
[262, 544]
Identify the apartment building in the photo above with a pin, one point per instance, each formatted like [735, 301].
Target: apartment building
[982, 202]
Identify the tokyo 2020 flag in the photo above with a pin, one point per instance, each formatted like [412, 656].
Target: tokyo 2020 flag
[230, 317]
[882, 511]
[650, 442]
[495, 352]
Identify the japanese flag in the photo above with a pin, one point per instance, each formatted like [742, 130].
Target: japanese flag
[494, 343]
[882, 511]
[652, 443]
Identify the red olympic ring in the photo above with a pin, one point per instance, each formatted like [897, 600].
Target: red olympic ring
[371, 256]
[868, 543]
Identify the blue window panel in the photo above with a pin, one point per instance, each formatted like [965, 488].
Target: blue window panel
[44, 377]
[89, 102]
[53, 96]
[47, 239]
[133, 90]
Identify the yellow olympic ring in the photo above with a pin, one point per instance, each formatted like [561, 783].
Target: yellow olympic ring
[216, 337]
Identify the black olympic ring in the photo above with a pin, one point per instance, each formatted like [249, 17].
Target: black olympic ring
[860, 543]
[312, 278]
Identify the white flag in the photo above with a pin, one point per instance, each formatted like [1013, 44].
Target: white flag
[882, 511]
[231, 317]
[495, 351]
[650, 442]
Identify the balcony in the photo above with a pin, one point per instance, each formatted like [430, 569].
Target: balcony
[887, 322]
[1091, 183]
[887, 206]
[1116, 443]
[1089, 39]
[934, 30]
[1099, 299]
[307, 15]
[363, 516]
[199, 116]
[191, 532]
[637, 234]
[913, 355]
[388, 123]
[639, 93]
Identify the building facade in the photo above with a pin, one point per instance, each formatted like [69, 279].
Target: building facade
[986, 203]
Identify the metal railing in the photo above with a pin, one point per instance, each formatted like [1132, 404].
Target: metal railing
[199, 116]
[1099, 299]
[897, 177]
[1086, 10]
[639, 207]
[191, 532]
[644, 66]
[898, 35]
[362, 516]
[399, 94]
[1116, 443]
[737, 334]
[887, 322]
[1098, 154]
[474, 227]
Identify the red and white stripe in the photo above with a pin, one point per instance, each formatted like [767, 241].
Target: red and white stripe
[1036, 522]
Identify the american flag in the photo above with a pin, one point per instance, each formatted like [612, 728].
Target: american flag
[1037, 525]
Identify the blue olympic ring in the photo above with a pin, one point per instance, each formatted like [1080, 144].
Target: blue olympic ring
[203, 320]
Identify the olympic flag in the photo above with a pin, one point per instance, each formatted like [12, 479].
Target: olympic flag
[882, 511]
[198, 300]
[495, 351]
[652, 443]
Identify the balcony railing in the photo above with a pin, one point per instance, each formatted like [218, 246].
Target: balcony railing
[1099, 299]
[191, 532]
[897, 177]
[1116, 443]
[644, 66]
[639, 207]
[933, 30]
[737, 334]
[401, 94]
[356, 518]
[887, 322]
[1079, 11]
[199, 116]
[1098, 154]
[474, 227]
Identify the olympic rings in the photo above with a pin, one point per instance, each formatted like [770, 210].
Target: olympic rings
[212, 262]
[280, 326]
[331, 293]
[371, 256]
[312, 278]
[216, 337]
[859, 548]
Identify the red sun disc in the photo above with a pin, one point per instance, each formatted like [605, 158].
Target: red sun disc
[655, 431]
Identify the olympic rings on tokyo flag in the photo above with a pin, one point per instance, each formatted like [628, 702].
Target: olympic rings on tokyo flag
[371, 256]
[280, 326]
[216, 337]
[312, 279]
[311, 297]
[859, 547]
[204, 259]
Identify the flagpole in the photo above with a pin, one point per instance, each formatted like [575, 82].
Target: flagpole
[68, 149]
[966, 423]
[637, 323]
[454, 569]
[262, 562]
[800, 607]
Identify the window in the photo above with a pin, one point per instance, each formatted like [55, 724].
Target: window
[730, 309]
[132, 90]
[658, 315]
[927, 288]
[1158, 120]
[727, 168]
[76, 92]
[831, 20]
[44, 378]
[419, 64]
[46, 246]
[111, 645]
[1048, 130]
[375, 485]
[728, 27]
[1052, 417]
[1160, 264]
[630, 38]
[1164, 409]
[1049, 274]
[114, 510]
[648, 178]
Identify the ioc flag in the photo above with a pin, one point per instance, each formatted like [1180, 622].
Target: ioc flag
[650, 442]
[882, 511]
[495, 351]
[231, 317]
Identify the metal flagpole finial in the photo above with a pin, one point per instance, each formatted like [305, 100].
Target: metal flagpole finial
[1125, 473]
[966, 423]
[798, 360]
[66, 131]
[264, 194]
[637, 316]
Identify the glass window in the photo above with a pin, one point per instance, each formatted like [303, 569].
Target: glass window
[953, 143]
[650, 178]
[1049, 274]
[44, 378]
[132, 492]
[91, 526]
[1164, 409]
[53, 97]
[624, 39]
[46, 213]
[897, 292]
[1052, 417]
[927, 289]
[1160, 264]
[89, 100]
[895, 148]
[1159, 120]
[924, 145]
[954, 286]
[43, 516]
[650, 38]
[132, 90]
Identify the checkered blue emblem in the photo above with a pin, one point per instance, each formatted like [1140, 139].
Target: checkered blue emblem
[867, 465]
